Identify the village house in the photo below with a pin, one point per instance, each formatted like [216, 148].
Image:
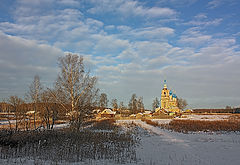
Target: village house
[107, 113]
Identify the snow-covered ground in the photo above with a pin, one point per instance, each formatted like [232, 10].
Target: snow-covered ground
[206, 117]
[165, 147]
[162, 147]
[162, 121]
[6, 122]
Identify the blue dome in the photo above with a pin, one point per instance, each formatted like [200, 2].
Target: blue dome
[174, 96]
[170, 92]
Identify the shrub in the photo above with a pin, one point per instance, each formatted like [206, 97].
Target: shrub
[105, 124]
[69, 145]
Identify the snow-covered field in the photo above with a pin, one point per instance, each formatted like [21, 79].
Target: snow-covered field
[194, 117]
[56, 126]
[162, 147]
[206, 117]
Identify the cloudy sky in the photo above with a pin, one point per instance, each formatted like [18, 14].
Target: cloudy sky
[130, 45]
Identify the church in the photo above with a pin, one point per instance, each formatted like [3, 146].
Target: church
[169, 100]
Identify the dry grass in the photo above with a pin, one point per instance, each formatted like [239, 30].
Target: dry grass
[185, 126]
[162, 116]
[105, 124]
[195, 113]
[68, 145]
[199, 125]
[29, 125]
[150, 122]
[234, 117]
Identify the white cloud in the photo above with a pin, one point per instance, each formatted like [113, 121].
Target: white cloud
[146, 33]
[200, 16]
[21, 59]
[109, 27]
[205, 23]
[40, 26]
[177, 2]
[129, 8]
[195, 40]
[131, 59]
[35, 7]
[216, 3]
[152, 32]
[194, 37]
[95, 23]
[69, 2]
[220, 51]
[109, 44]
[124, 28]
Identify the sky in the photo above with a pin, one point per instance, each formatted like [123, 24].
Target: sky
[132, 46]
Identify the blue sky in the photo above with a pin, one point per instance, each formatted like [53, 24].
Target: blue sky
[130, 45]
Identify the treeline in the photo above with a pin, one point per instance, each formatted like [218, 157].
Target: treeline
[135, 104]
[74, 93]
[73, 97]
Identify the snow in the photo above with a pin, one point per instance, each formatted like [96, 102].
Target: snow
[162, 121]
[108, 111]
[205, 117]
[160, 146]
[59, 126]
[6, 122]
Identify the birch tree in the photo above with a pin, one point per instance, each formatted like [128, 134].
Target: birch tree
[75, 84]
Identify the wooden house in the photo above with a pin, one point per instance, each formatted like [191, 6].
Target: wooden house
[107, 113]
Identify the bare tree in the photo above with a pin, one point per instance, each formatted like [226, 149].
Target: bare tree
[182, 103]
[33, 95]
[114, 104]
[132, 105]
[103, 101]
[121, 106]
[140, 105]
[73, 83]
[6, 107]
[48, 109]
[24, 108]
[155, 104]
[16, 103]
[89, 99]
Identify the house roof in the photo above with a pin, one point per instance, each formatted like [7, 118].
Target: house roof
[108, 111]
